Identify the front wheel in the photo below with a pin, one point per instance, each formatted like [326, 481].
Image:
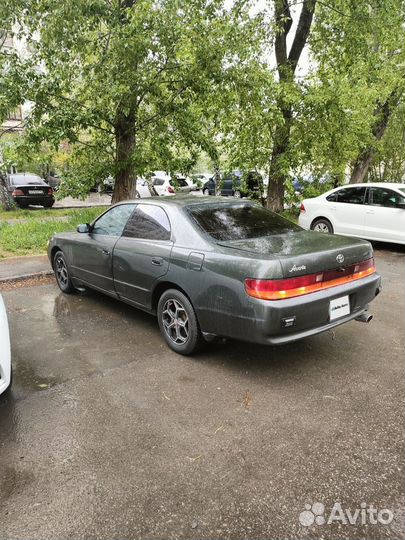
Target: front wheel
[322, 225]
[48, 204]
[237, 194]
[62, 273]
[178, 322]
[206, 192]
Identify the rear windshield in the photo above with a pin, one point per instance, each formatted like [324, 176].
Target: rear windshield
[236, 222]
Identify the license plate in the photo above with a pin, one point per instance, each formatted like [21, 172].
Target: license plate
[35, 192]
[339, 307]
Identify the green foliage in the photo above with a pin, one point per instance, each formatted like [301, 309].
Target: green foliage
[30, 236]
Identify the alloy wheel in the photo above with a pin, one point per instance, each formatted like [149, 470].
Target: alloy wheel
[175, 321]
[61, 272]
[321, 227]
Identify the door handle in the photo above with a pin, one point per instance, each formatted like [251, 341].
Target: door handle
[157, 261]
[370, 212]
[105, 251]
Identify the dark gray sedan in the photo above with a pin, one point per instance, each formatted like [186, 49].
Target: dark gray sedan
[213, 267]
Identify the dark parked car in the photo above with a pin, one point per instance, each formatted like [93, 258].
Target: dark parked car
[218, 267]
[27, 188]
[210, 187]
[238, 184]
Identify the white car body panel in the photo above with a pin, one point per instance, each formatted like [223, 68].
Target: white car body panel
[369, 221]
[5, 352]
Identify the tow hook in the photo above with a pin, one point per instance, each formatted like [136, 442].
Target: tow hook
[364, 317]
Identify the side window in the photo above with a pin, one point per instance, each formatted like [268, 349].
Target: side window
[149, 222]
[385, 197]
[112, 223]
[351, 195]
[332, 197]
[158, 182]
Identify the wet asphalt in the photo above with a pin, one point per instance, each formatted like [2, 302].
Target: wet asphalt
[109, 434]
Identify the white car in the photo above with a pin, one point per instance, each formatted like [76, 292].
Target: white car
[142, 188]
[164, 185]
[5, 354]
[375, 211]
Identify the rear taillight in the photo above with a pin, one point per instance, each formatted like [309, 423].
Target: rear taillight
[278, 289]
[302, 208]
[170, 189]
[50, 191]
[17, 193]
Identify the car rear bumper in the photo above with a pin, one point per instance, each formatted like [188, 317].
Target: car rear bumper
[265, 321]
[33, 199]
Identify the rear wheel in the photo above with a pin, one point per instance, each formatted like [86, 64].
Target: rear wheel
[237, 194]
[178, 322]
[62, 273]
[206, 192]
[322, 225]
[48, 204]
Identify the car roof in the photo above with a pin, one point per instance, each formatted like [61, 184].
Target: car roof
[376, 184]
[188, 200]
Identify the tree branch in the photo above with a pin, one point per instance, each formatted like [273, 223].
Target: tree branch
[302, 33]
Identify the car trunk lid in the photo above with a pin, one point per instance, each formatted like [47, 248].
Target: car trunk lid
[305, 252]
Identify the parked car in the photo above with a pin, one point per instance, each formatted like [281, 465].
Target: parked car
[200, 179]
[27, 188]
[239, 184]
[164, 185]
[5, 354]
[375, 211]
[208, 267]
[142, 188]
[210, 186]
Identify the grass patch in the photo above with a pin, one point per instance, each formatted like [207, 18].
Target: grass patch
[33, 214]
[31, 238]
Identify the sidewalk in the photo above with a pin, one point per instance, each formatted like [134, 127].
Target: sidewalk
[17, 268]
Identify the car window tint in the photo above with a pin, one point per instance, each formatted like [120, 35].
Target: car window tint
[385, 197]
[148, 222]
[181, 182]
[158, 182]
[112, 223]
[351, 195]
[236, 222]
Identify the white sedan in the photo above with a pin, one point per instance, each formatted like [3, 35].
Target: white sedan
[375, 211]
[5, 355]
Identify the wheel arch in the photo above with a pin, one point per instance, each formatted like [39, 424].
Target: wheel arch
[163, 286]
[54, 250]
[317, 218]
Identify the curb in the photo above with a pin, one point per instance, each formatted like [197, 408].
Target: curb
[24, 277]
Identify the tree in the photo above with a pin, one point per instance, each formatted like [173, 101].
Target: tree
[118, 80]
[365, 57]
[287, 63]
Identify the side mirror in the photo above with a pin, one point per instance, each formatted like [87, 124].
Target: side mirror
[83, 228]
[401, 205]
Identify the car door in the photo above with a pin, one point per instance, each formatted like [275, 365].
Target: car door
[92, 251]
[348, 210]
[142, 254]
[385, 215]
[227, 186]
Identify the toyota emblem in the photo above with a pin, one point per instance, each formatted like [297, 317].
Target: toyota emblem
[340, 258]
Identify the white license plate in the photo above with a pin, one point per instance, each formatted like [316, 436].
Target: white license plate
[339, 307]
[35, 192]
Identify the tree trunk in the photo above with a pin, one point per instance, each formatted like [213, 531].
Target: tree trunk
[365, 159]
[277, 174]
[5, 200]
[286, 65]
[125, 177]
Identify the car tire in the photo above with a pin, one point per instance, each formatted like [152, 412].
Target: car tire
[237, 194]
[62, 273]
[48, 204]
[206, 192]
[137, 195]
[322, 225]
[22, 205]
[185, 337]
